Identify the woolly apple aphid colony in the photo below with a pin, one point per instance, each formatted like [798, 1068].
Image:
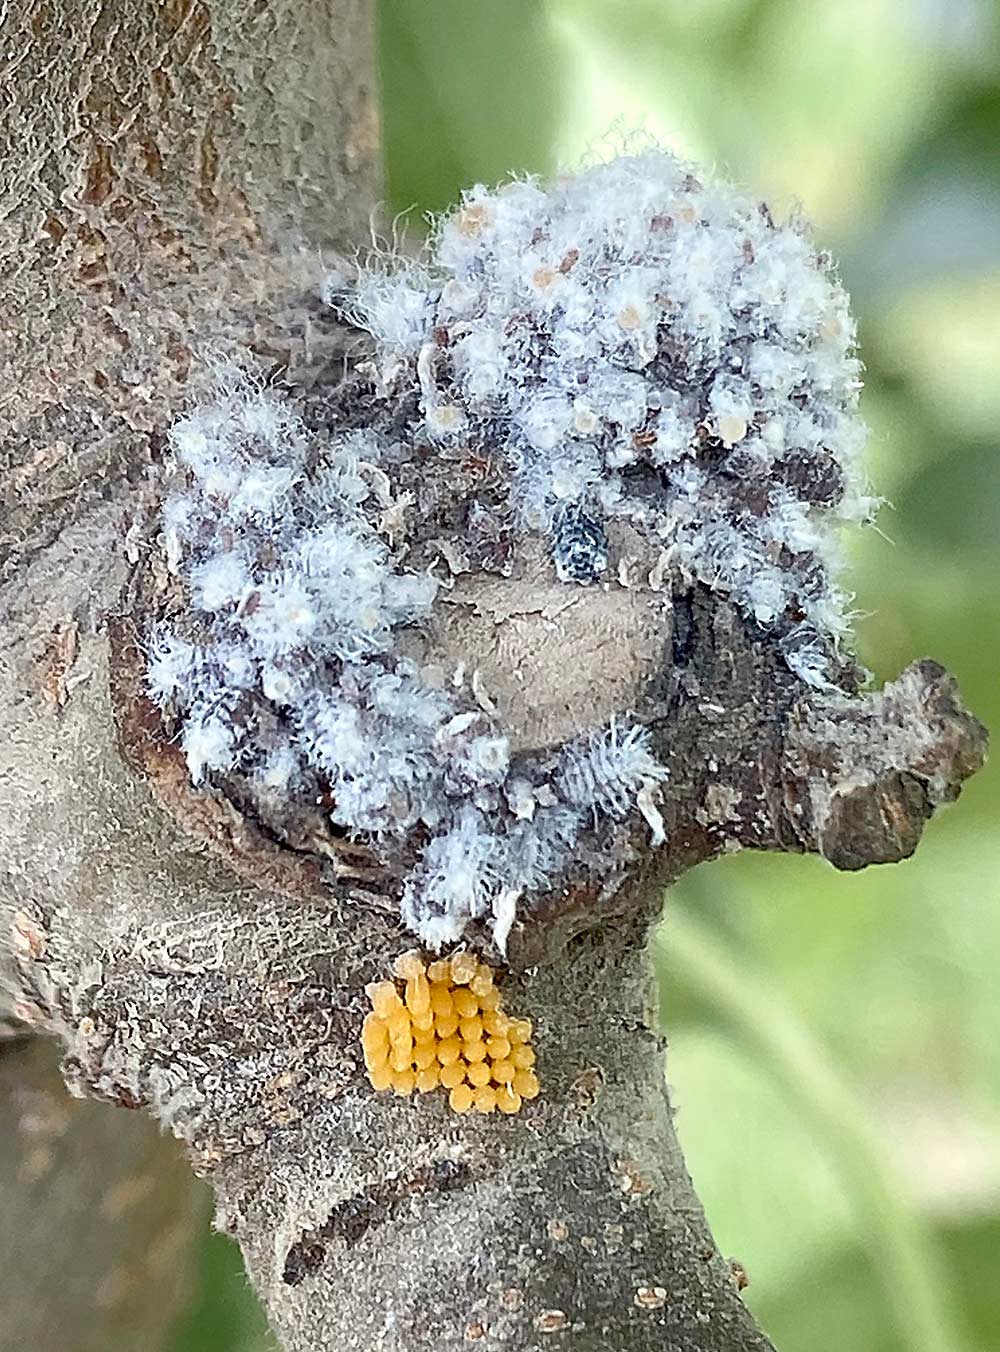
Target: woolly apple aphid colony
[632, 348]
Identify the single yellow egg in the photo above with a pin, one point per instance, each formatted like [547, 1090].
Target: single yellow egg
[460, 1099]
[408, 965]
[466, 1004]
[463, 968]
[425, 1056]
[486, 1099]
[482, 983]
[479, 1074]
[383, 997]
[507, 1100]
[452, 1075]
[374, 1030]
[449, 1051]
[418, 994]
[377, 1056]
[375, 1036]
[525, 1083]
[441, 1001]
[380, 1077]
[401, 1057]
[496, 1022]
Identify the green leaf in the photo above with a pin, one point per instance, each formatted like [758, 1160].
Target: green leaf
[470, 93]
[834, 1305]
[225, 1316]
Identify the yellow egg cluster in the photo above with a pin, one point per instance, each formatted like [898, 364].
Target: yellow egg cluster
[447, 1027]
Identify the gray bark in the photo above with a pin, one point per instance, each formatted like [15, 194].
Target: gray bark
[188, 962]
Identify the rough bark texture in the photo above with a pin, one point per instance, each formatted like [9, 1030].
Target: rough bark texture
[170, 175]
[171, 164]
[99, 1217]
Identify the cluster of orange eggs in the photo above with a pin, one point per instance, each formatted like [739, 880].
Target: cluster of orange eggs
[447, 1027]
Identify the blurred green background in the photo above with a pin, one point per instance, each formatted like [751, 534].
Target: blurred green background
[835, 1040]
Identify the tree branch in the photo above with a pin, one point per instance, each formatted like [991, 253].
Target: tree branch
[209, 962]
[233, 1013]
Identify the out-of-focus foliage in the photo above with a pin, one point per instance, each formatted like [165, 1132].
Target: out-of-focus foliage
[883, 118]
[225, 1316]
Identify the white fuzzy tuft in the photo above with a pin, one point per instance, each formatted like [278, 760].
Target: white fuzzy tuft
[607, 771]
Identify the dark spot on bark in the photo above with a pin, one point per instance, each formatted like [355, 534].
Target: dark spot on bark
[348, 1222]
[684, 635]
[54, 228]
[586, 1089]
[741, 1278]
[302, 1259]
[447, 1175]
[208, 172]
[352, 1219]
[100, 175]
[643, 481]
[712, 456]
[677, 365]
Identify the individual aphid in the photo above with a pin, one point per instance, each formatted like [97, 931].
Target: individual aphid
[579, 547]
